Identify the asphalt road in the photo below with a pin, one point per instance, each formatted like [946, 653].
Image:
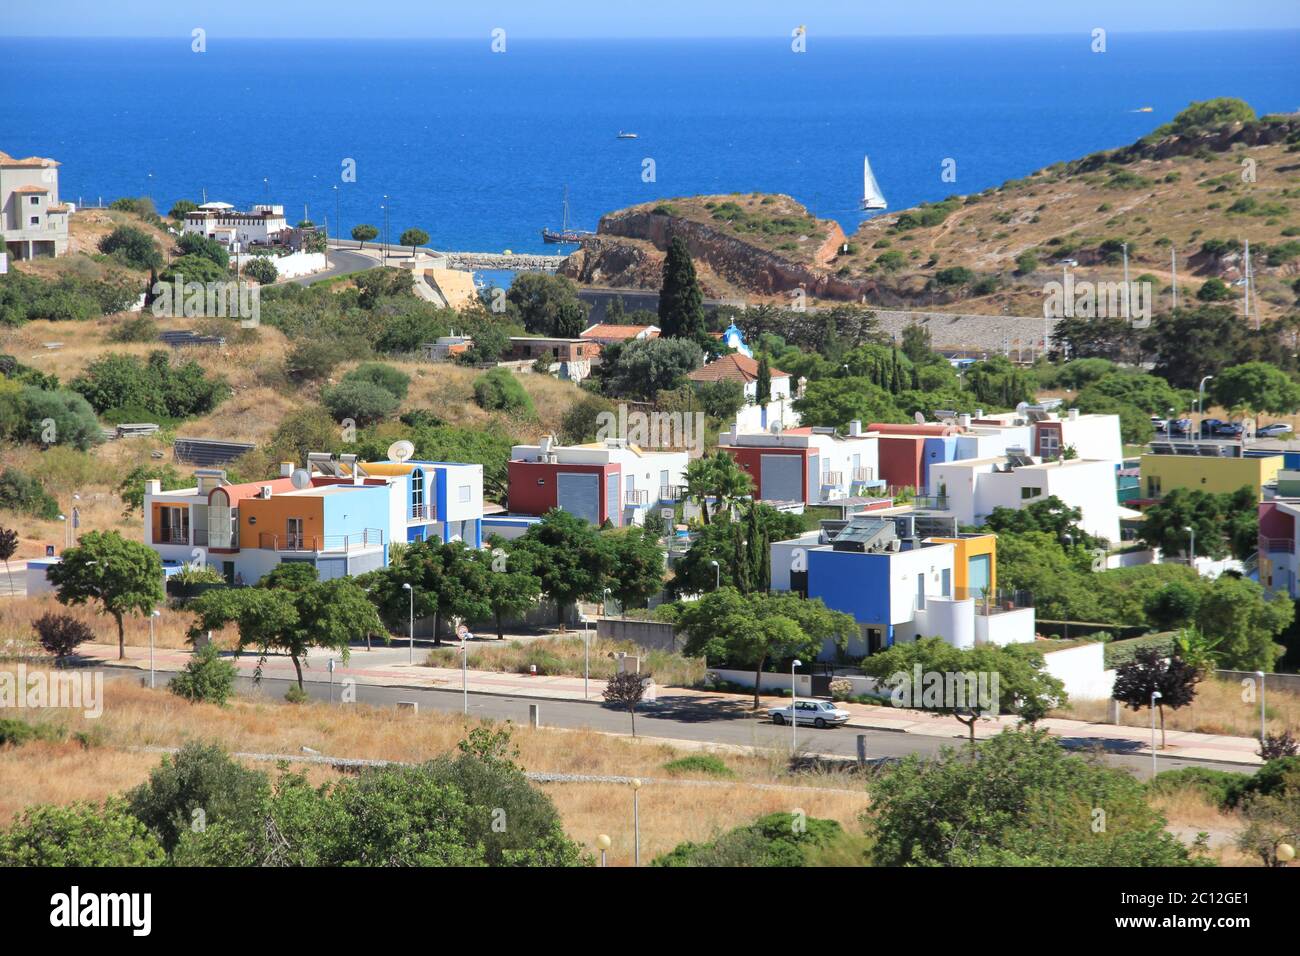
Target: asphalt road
[679, 718]
[341, 263]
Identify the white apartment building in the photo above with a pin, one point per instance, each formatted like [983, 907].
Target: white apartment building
[969, 490]
[33, 221]
[265, 225]
[806, 464]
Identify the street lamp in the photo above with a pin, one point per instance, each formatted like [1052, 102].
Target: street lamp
[1155, 696]
[337, 225]
[602, 844]
[464, 674]
[1169, 425]
[1069, 538]
[1260, 676]
[1200, 406]
[406, 586]
[636, 822]
[155, 613]
[1191, 549]
[717, 575]
[794, 708]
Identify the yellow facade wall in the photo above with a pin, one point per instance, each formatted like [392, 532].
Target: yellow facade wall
[1214, 475]
[966, 548]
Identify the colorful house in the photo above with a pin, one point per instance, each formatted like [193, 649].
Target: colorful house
[740, 368]
[612, 480]
[900, 585]
[1211, 466]
[807, 464]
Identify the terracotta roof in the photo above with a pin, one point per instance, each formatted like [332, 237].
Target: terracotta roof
[732, 368]
[35, 162]
[31, 189]
[58, 208]
[606, 330]
[250, 489]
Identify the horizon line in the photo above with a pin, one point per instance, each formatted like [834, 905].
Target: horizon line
[702, 37]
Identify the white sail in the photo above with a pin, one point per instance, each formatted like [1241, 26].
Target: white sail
[872, 197]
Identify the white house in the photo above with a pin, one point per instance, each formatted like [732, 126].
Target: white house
[265, 225]
[806, 464]
[969, 490]
[752, 417]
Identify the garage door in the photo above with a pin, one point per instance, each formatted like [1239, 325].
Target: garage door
[782, 477]
[580, 495]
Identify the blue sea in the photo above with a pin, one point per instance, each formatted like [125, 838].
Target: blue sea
[476, 147]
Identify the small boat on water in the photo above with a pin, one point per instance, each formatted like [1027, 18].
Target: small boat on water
[872, 197]
[564, 235]
[623, 135]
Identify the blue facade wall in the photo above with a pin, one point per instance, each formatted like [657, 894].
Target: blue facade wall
[937, 450]
[857, 584]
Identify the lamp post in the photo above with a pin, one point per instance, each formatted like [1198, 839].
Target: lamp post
[636, 822]
[464, 674]
[406, 586]
[586, 657]
[717, 575]
[794, 708]
[1260, 676]
[1169, 425]
[153, 615]
[337, 225]
[1069, 538]
[1200, 406]
[1155, 696]
[602, 844]
[1191, 548]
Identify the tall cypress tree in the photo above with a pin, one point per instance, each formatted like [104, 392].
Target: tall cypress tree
[681, 303]
[764, 383]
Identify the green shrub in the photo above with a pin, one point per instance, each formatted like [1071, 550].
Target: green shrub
[385, 376]
[60, 634]
[132, 246]
[699, 763]
[80, 834]
[1278, 776]
[499, 390]
[15, 732]
[20, 492]
[771, 841]
[263, 270]
[139, 328]
[1217, 786]
[206, 678]
[364, 402]
[296, 695]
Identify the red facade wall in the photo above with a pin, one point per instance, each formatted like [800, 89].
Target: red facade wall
[901, 460]
[1274, 523]
[534, 486]
[751, 461]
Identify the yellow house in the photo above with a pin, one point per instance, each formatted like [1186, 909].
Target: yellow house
[1162, 473]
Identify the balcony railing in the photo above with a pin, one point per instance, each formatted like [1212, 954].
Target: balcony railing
[862, 474]
[1276, 545]
[832, 479]
[423, 512]
[637, 496]
[369, 538]
[671, 492]
[171, 536]
[930, 503]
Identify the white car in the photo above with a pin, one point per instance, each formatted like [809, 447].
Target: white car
[819, 713]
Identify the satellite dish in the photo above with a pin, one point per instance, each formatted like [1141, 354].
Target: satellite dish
[1022, 408]
[920, 418]
[400, 451]
[776, 427]
[301, 478]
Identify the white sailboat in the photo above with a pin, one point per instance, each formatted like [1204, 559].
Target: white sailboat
[872, 197]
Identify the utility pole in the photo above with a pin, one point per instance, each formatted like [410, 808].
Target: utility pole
[1246, 266]
[1127, 312]
[1173, 273]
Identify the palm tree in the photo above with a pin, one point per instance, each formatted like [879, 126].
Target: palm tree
[699, 482]
[730, 482]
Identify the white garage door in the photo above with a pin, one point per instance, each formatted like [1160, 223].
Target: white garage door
[782, 477]
[579, 495]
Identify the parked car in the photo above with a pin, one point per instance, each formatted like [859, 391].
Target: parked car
[1228, 430]
[1274, 430]
[819, 713]
[1209, 426]
[1180, 426]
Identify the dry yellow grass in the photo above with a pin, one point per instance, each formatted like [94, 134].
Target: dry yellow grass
[17, 615]
[1217, 709]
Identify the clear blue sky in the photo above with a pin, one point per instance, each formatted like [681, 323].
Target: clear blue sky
[410, 19]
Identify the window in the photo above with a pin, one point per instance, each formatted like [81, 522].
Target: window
[464, 493]
[417, 493]
[293, 534]
[173, 525]
[36, 220]
[1049, 444]
[1153, 486]
[35, 200]
[1027, 493]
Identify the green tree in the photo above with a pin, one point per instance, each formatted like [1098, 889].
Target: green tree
[207, 678]
[645, 367]
[1015, 799]
[569, 558]
[363, 234]
[693, 573]
[1257, 387]
[414, 237]
[193, 243]
[263, 270]
[500, 390]
[1022, 686]
[681, 303]
[447, 581]
[763, 383]
[364, 402]
[775, 840]
[749, 630]
[123, 577]
[79, 834]
[512, 586]
[181, 208]
[636, 565]
[289, 611]
[132, 246]
[546, 304]
[71, 416]
[719, 478]
[1246, 623]
[834, 402]
[1049, 514]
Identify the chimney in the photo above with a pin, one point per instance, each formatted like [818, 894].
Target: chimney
[855, 427]
[153, 487]
[963, 420]
[979, 413]
[544, 447]
[1074, 414]
[286, 469]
